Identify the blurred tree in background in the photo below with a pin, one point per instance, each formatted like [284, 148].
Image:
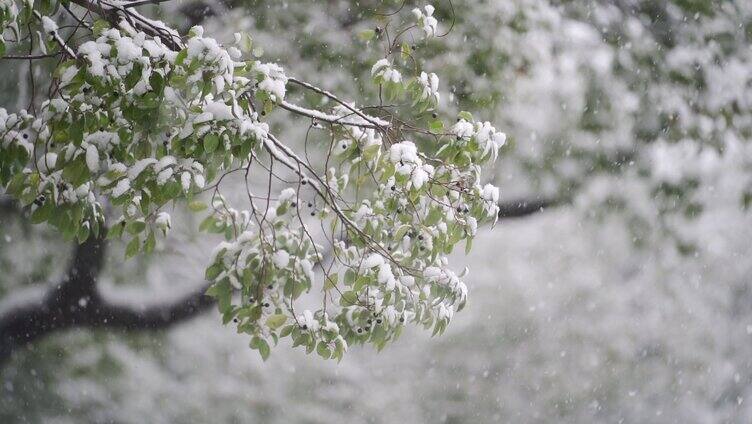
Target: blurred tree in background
[629, 300]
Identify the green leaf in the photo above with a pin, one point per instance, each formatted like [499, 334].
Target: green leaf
[83, 233]
[436, 126]
[468, 245]
[433, 216]
[100, 25]
[157, 83]
[180, 58]
[366, 35]
[212, 272]
[275, 321]
[135, 227]
[149, 101]
[197, 206]
[406, 50]
[76, 131]
[42, 213]
[348, 298]
[331, 282]
[370, 152]
[263, 348]
[361, 282]
[116, 231]
[207, 223]
[132, 248]
[323, 350]
[222, 291]
[76, 172]
[151, 242]
[350, 277]
[401, 231]
[211, 141]
[467, 116]
[246, 42]
[286, 331]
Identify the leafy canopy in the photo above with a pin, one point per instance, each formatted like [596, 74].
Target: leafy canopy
[140, 118]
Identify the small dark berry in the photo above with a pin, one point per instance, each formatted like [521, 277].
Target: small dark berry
[393, 188]
[313, 213]
[459, 209]
[360, 330]
[422, 248]
[25, 136]
[310, 205]
[270, 287]
[304, 327]
[293, 204]
[378, 321]
[466, 209]
[344, 146]
[234, 320]
[303, 182]
[420, 237]
[377, 30]
[115, 93]
[266, 305]
[369, 321]
[414, 47]
[402, 319]
[434, 115]
[368, 328]
[263, 113]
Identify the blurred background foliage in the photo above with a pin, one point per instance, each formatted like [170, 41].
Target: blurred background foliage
[628, 302]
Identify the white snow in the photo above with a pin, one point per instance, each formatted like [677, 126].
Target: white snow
[281, 258]
[92, 158]
[49, 25]
[121, 187]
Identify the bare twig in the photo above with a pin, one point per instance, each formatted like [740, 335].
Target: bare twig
[29, 57]
[138, 3]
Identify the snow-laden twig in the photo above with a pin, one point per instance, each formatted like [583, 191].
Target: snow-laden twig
[332, 119]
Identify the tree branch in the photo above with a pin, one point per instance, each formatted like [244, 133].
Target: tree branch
[29, 57]
[76, 302]
[113, 316]
[137, 3]
[115, 12]
[525, 207]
